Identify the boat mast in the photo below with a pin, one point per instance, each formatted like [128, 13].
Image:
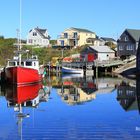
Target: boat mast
[20, 25]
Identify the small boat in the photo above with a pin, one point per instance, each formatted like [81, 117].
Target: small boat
[22, 71]
[72, 70]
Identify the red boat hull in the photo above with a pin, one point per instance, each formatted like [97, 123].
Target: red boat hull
[22, 75]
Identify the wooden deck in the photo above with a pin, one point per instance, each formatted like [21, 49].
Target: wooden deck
[90, 65]
[92, 68]
[108, 63]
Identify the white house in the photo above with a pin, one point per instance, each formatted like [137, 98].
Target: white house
[38, 37]
[100, 53]
[103, 52]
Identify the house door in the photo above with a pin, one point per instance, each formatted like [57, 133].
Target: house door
[62, 42]
[74, 43]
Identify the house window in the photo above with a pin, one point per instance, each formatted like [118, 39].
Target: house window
[65, 35]
[30, 41]
[75, 35]
[89, 41]
[120, 47]
[34, 34]
[129, 47]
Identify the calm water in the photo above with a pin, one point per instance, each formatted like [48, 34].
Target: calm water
[71, 109]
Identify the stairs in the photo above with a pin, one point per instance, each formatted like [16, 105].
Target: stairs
[129, 67]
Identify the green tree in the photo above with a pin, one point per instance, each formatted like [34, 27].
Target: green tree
[53, 42]
[6, 49]
[111, 45]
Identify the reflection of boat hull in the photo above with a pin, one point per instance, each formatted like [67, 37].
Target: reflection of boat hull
[72, 70]
[23, 93]
[70, 76]
[22, 75]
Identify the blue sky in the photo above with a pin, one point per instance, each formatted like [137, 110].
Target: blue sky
[107, 18]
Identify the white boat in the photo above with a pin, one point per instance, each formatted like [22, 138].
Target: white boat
[71, 75]
[72, 70]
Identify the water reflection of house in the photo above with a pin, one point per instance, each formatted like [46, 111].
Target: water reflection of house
[80, 90]
[75, 95]
[77, 90]
[106, 85]
[126, 95]
[138, 91]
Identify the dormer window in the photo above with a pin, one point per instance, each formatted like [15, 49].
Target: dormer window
[34, 34]
[126, 38]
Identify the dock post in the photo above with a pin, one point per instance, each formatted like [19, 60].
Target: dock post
[113, 69]
[96, 67]
[105, 71]
[96, 71]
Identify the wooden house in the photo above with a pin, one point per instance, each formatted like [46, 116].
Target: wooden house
[127, 44]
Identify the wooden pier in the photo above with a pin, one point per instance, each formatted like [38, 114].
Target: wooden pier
[89, 68]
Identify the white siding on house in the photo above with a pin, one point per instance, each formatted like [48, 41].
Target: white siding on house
[37, 37]
[103, 56]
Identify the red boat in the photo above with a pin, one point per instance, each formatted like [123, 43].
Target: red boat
[22, 72]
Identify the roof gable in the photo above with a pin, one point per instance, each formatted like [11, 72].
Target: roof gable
[135, 34]
[108, 39]
[41, 32]
[82, 30]
[102, 49]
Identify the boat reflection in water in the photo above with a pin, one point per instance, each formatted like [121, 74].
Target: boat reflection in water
[78, 90]
[128, 95]
[24, 97]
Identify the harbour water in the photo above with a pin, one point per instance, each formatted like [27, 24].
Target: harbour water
[72, 108]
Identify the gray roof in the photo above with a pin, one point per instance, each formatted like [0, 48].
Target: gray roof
[90, 38]
[82, 30]
[102, 49]
[108, 39]
[42, 32]
[135, 34]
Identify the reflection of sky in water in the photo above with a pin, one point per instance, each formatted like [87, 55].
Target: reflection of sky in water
[101, 118]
